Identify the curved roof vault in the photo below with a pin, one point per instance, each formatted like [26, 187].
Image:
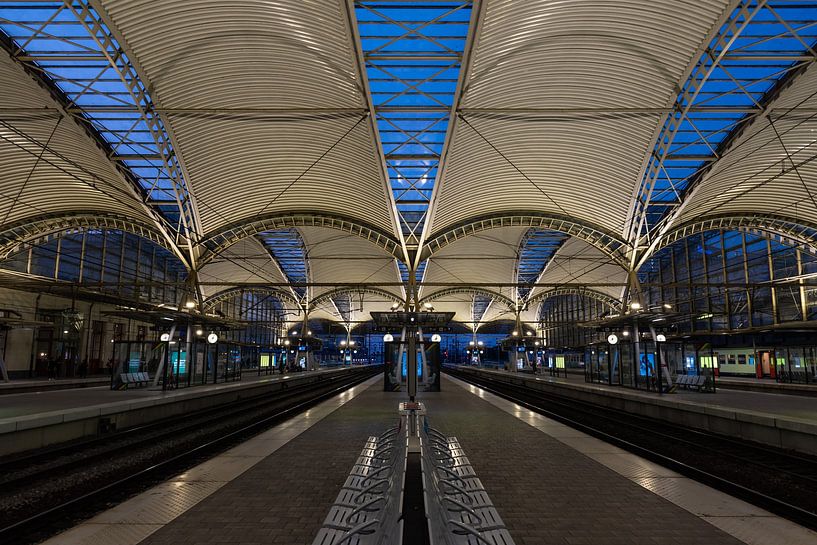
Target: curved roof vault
[50, 166]
[336, 257]
[247, 262]
[561, 104]
[264, 102]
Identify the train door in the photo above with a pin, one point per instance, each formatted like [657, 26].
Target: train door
[765, 358]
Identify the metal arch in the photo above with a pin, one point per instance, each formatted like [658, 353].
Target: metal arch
[789, 230]
[732, 38]
[691, 85]
[39, 229]
[532, 236]
[121, 63]
[62, 103]
[277, 262]
[229, 293]
[607, 242]
[215, 243]
[496, 296]
[604, 298]
[329, 295]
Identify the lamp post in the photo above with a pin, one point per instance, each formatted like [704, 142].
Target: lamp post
[659, 338]
[612, 340]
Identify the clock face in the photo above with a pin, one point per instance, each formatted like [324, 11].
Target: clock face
[212, 338]
[612, 339]
[165, 337]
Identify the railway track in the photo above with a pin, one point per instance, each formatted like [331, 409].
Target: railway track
[50, 490]
[777, 480]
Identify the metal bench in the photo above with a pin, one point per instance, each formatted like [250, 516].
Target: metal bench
[135, 379]
[691, 381]
[462, 511]
[367, 504]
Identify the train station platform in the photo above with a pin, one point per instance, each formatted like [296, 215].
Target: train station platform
[18, 386]
[37, 419]
[751, 384]
[779, 420]
[549, 483]
[767, 385]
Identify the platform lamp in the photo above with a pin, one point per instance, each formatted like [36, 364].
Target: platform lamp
[660, 338]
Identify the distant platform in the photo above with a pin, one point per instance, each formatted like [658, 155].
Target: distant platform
[36, 419]
[43, 384]
[779, 420]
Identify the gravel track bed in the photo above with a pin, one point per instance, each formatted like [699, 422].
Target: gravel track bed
[51, 484]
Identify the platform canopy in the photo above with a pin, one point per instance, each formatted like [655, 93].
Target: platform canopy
[479, 156]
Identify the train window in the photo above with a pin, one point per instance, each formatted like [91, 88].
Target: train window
[741, 359]
[731, 359]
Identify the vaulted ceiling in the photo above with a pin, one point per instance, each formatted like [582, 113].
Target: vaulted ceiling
[500, 149]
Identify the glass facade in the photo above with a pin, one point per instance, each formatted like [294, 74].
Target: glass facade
[725, 281]
[109, 261]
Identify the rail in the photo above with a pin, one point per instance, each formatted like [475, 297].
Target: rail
[775, 479]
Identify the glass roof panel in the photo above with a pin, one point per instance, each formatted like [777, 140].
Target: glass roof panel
[759, 45]
[71, 47]
[288, 249]
[479, 307]
[418, 274]
[413, 51]
[535, 252]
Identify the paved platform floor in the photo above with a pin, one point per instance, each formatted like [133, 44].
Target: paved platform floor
[33, 384]
[551, 484]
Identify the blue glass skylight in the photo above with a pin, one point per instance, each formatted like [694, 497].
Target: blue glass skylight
[536, 250]
[418, 274]
[413, 52]
[758, 47]
[288, 249]
[343, 304]
[479, 307]
[70, 46]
